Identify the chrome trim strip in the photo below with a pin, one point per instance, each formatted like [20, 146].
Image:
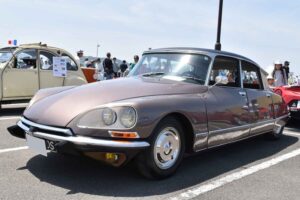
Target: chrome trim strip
[80, 140]
[236, 128]
[281, 117]
[48, 128]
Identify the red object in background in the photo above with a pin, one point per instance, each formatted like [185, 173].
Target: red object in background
[9, 42]
[291, 96]
[89, 74]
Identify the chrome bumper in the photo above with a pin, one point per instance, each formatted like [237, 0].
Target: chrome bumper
[79, 140]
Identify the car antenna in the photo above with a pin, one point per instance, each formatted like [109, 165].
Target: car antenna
[218, 45]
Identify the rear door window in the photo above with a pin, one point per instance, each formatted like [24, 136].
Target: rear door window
[251, 76]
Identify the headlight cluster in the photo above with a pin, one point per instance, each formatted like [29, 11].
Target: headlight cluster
[123, 117]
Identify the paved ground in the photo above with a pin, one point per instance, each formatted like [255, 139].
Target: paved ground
[253, 169]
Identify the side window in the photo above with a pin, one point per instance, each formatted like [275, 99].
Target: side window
[71, 65]
[46, 60]
[224, 66]
[251, 76]
[26, 59]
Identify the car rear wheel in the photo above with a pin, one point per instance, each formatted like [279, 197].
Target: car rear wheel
[166, 151]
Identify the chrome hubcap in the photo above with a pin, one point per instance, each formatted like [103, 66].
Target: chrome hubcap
[167, 148]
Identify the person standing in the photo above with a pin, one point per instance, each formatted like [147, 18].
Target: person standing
[286, 68]
[108, 67]
[136, 60]
[123, 72]
[270, 81]
[80, 58]
[278, 74]
[115, 66]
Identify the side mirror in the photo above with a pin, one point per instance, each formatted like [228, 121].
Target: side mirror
[221, 80]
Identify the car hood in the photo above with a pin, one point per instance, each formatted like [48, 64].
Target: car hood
[59, 109]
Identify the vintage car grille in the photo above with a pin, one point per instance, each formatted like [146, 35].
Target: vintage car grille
[34, 127]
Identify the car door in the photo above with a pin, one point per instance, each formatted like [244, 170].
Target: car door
[20, 77]
[227, 114]
[46, 77]
[260, 100]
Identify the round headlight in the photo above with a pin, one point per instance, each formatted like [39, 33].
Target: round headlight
[128, 117]
[109, 116]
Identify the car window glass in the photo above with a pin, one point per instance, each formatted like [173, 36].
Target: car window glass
[251, 76]
[179, 67]
[26, 59]
[71, 65]
[46, 60]
[228, 67]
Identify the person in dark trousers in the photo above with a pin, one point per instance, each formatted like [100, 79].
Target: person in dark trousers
[286, 69]
[123, 69]
[108, 67]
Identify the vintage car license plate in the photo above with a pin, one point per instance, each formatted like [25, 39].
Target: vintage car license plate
[51, 145]
[36, 144]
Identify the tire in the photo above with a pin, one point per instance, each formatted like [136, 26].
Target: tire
[160, 163]
[275, 135]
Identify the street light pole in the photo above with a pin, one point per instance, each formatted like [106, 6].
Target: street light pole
[97, 50]
[218, 43]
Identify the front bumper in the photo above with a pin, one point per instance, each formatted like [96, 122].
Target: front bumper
[67, 142]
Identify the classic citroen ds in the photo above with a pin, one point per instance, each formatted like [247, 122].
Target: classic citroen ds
[175, 101]
[26, 68]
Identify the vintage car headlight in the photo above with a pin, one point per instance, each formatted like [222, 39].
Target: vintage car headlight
[127, 117]
[109, 116]
[121, 117]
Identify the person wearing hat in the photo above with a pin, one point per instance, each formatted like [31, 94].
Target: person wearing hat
[270, 81]
[279, 74]
[80, 58]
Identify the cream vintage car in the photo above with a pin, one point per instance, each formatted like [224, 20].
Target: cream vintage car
[27, 68]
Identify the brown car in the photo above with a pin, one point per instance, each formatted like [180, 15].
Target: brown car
[175, 101]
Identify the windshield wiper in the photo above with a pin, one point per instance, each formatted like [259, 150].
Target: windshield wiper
[194, 79]
[153, 74]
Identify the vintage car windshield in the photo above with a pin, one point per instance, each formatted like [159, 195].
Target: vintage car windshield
[176, 66]
[5, 55]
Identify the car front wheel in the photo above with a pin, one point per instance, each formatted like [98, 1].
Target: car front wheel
[165, 154]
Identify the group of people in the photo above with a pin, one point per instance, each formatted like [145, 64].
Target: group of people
[109, 68]
[280, 75]
[112, 69]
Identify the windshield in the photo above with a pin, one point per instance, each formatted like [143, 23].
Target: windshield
[5, 55]
[175, 66]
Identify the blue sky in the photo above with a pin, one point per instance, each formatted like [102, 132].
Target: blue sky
[263, 30]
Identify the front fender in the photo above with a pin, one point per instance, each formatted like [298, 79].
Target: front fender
[151, 110]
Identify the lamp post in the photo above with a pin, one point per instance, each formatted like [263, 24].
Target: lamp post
[218, 43]
[98, 45]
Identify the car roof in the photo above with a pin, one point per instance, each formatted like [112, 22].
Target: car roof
[209, 52]
[34, 46]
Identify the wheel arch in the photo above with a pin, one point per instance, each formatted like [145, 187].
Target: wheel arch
[187, 127]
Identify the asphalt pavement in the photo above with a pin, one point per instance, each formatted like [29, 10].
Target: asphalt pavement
[252, 169]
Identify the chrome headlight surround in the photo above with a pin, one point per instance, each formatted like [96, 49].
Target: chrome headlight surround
[109, 118]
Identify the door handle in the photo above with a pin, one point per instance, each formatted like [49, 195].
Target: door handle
[242, 93]
[268, 95]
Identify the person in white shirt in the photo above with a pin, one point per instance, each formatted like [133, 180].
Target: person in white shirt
[278, 74]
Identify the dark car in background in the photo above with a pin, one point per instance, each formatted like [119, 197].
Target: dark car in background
[175, 101]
